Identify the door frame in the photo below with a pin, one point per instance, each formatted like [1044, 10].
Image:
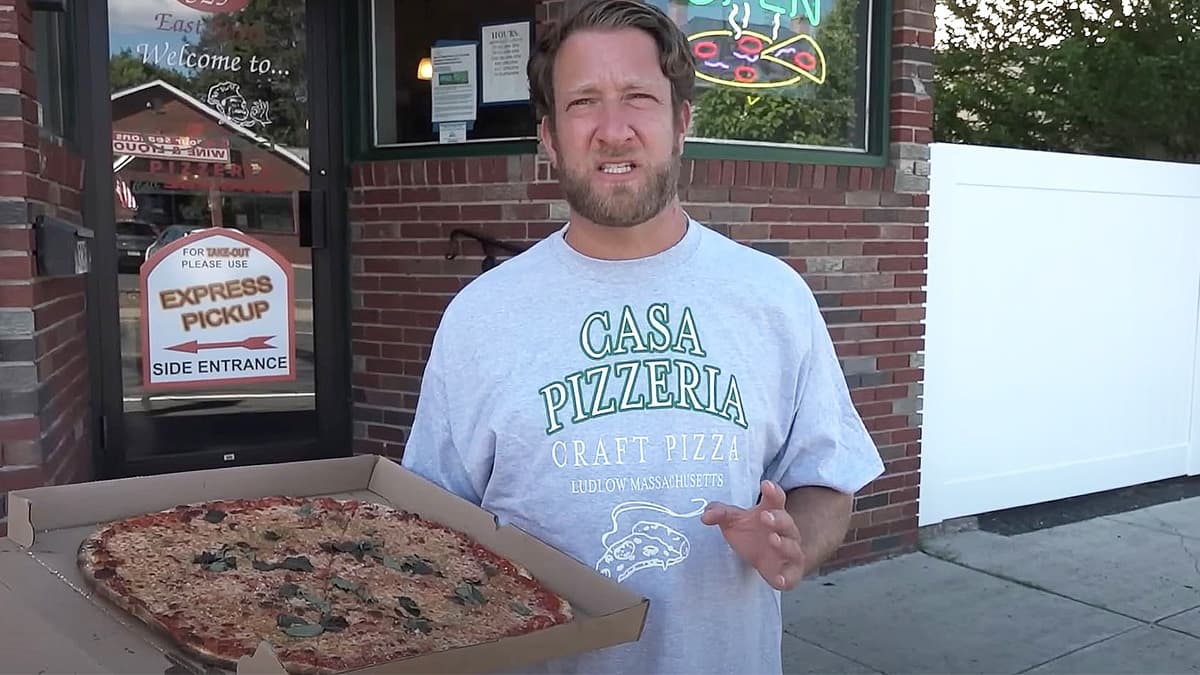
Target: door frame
[328, 184]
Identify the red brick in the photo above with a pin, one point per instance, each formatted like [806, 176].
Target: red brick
[21, 478]
[19, 429]
[16, 295]
[16, 267]
[20, 453]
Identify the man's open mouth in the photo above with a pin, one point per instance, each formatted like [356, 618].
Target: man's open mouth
[617, 167]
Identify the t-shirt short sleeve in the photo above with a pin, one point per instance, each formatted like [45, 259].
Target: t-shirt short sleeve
[827, 443]
[432, 450]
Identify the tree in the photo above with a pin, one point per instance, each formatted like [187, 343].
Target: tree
[268, 91]
[126, 70]
[1101, 77]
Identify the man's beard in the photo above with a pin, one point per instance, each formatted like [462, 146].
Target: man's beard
[624, 206]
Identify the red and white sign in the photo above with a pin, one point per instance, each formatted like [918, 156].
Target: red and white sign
[171, 147]
[218, 307]
[216, 6]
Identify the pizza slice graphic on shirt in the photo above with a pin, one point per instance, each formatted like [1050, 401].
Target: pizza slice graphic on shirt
[647, 545]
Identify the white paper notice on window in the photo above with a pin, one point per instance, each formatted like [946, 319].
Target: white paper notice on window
[452, 132]
[505, 57]
[455, 78]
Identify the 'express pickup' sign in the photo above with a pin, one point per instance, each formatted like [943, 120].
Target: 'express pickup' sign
[217, 308]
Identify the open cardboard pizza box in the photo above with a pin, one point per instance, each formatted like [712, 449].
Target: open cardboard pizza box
[79, 632]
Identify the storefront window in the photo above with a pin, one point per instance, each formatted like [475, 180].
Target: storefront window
[773, 76]
[456, 74]
[780, 72]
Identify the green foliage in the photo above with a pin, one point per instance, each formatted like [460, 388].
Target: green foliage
[1101, 77]
[126, 70]
[808, 113]
[274, 30]
[265, 29]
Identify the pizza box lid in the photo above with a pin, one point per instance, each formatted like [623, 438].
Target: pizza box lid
[47, 524]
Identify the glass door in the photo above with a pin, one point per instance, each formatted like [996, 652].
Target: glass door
[214, 211]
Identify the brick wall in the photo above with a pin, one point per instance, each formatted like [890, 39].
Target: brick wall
[44, 395]
[857, 235]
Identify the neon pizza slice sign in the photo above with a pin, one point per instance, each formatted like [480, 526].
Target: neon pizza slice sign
[755, 61]
[743, 58]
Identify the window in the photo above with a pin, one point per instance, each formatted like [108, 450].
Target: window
[785, 74]
[450, 71]
[52, 60]
[776, 79]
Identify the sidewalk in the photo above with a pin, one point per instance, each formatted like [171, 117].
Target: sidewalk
[1113, 594]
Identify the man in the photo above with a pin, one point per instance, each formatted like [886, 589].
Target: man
[648, 396]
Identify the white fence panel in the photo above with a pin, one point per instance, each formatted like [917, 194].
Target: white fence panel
[1063, 315]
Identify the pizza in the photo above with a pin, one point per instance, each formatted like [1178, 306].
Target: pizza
[333, 585]
[752, 60]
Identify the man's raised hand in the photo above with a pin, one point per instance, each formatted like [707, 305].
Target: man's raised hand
[765, 536]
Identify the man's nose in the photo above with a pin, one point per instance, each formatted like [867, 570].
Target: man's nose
[614, 127]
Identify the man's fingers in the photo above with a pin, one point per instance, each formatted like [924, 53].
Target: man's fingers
[784, 575]
[787, 547]
[787, 578]
[773, 496]
[717, 513]
[780, 521]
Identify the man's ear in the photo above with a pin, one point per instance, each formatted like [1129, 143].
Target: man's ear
[685, 121]
[546, 135]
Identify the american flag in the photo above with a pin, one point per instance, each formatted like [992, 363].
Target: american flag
[125, 195]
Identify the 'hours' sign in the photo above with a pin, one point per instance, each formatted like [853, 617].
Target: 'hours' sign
[217, 308]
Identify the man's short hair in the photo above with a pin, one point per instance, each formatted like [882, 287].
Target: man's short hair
[674, 56]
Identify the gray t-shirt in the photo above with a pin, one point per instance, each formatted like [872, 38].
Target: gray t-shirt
[600, 405]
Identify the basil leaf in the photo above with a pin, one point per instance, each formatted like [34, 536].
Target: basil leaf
[296, 564]
[305, 630]
[345, 584]
[271, 535]
[214, 516]
[417, 565]
[288, 590]
[409, 605]
[334, 624]
[469, 594]
[519, 608]
[315, 601]
[285, 620]
[392, 564]
[419, 623]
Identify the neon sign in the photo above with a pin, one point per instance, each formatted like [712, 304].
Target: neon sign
[732, 54]
[752, 60]
[812, 10]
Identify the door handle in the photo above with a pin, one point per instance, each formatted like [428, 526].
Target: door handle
[319, 218]
[312, 219]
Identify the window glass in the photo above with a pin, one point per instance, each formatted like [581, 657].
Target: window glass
[50, 60]
[788, 72]
[451, 71]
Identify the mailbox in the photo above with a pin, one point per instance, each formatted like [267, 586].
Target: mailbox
[63, 249]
